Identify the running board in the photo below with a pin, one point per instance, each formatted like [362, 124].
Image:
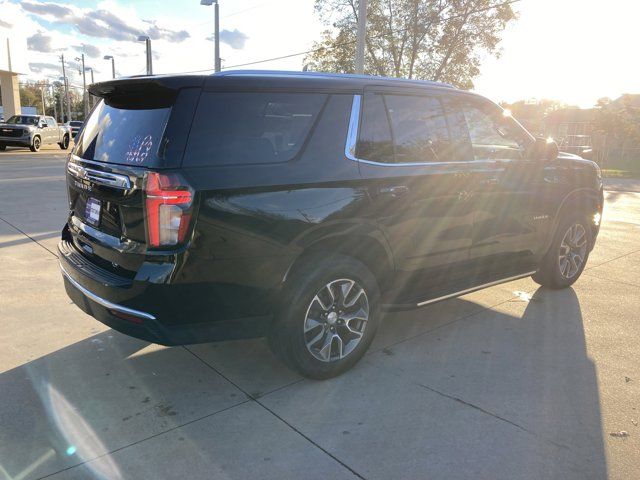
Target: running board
[458, 293]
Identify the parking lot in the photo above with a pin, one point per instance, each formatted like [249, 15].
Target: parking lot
[513, 382]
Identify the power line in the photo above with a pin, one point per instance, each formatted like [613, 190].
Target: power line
[273, 59]
[479, 10]
[282, 57]
[233, 14]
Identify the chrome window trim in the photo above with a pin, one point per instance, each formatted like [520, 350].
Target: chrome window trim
[354, 127]
[352, 141]
[105, 303]
[97, 176]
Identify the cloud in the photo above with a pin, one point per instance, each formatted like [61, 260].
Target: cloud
[52, 9]
[40, 43]
[102, 23]
[38, 67]
[235, 39]
[89, 50]
[157, 33]
[4, 24]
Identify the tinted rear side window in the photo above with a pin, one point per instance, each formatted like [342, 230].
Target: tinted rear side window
[375, 142]
[128, 136]
[250, 128]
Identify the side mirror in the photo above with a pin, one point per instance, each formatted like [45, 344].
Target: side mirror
[41, 125]
[545, 149]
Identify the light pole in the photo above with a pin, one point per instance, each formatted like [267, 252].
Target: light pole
[216, 34]
[147, 41]
[362, 28]
[113, 65]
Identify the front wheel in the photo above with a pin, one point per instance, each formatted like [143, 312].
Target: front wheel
[328, 318]
[35, 145]
[65, 142]
[567, 256]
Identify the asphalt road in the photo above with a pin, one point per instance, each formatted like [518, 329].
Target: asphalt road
[513, 382]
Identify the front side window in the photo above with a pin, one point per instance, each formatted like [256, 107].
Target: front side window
[251, 128]
[492, 134]
[419, 128]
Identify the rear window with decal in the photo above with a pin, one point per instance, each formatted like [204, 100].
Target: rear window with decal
[127, 136]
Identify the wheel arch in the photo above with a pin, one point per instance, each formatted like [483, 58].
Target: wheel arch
[373, 252]
[583, 200]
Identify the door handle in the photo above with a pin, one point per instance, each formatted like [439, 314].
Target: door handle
[395, 191]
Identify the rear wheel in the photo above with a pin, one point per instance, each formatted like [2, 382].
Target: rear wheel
[3, 148]
[65, 142]
[328, 318]
[35, 145]
[564, 262]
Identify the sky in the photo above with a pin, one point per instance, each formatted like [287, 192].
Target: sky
[575, 51]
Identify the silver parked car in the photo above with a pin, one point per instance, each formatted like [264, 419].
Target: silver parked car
[33, 131]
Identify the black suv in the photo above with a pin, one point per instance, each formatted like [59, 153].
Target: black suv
[298, 206]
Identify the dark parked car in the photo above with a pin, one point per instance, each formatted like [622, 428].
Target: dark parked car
[33, 131]
[75, 126]
[298, 206]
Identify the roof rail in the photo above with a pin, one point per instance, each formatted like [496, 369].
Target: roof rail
[286, 73]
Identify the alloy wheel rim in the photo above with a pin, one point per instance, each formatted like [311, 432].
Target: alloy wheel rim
[36, 143]
[573, 250]
[336, 320]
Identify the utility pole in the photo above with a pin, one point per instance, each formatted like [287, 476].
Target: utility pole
[149, 57]
[44, 106]
[55, 107]
[362, 29]
[216, 21]
[85, 99]
[92, 98]
[216, 32]
[113, 65]
[66, 90]
[147, 42]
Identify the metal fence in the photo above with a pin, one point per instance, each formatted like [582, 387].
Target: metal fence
[627, 159]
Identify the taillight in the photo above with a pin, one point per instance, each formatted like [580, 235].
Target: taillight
[168, 202]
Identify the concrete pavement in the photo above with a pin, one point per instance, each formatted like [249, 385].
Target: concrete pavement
[510, 382]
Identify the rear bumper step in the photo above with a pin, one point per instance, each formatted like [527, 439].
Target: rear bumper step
[103, 302]
[90, 269]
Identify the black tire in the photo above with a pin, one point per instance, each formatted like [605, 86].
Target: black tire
[287, 338]
[65, 142]
[3, 148]
[35, 144]
[553, 271]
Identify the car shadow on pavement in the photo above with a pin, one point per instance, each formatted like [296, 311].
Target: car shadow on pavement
[523, 370]
[22, 239]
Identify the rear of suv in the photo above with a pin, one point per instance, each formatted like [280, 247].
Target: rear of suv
[300, 206]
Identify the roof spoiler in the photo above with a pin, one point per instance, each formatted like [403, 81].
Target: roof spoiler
[144, 91]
